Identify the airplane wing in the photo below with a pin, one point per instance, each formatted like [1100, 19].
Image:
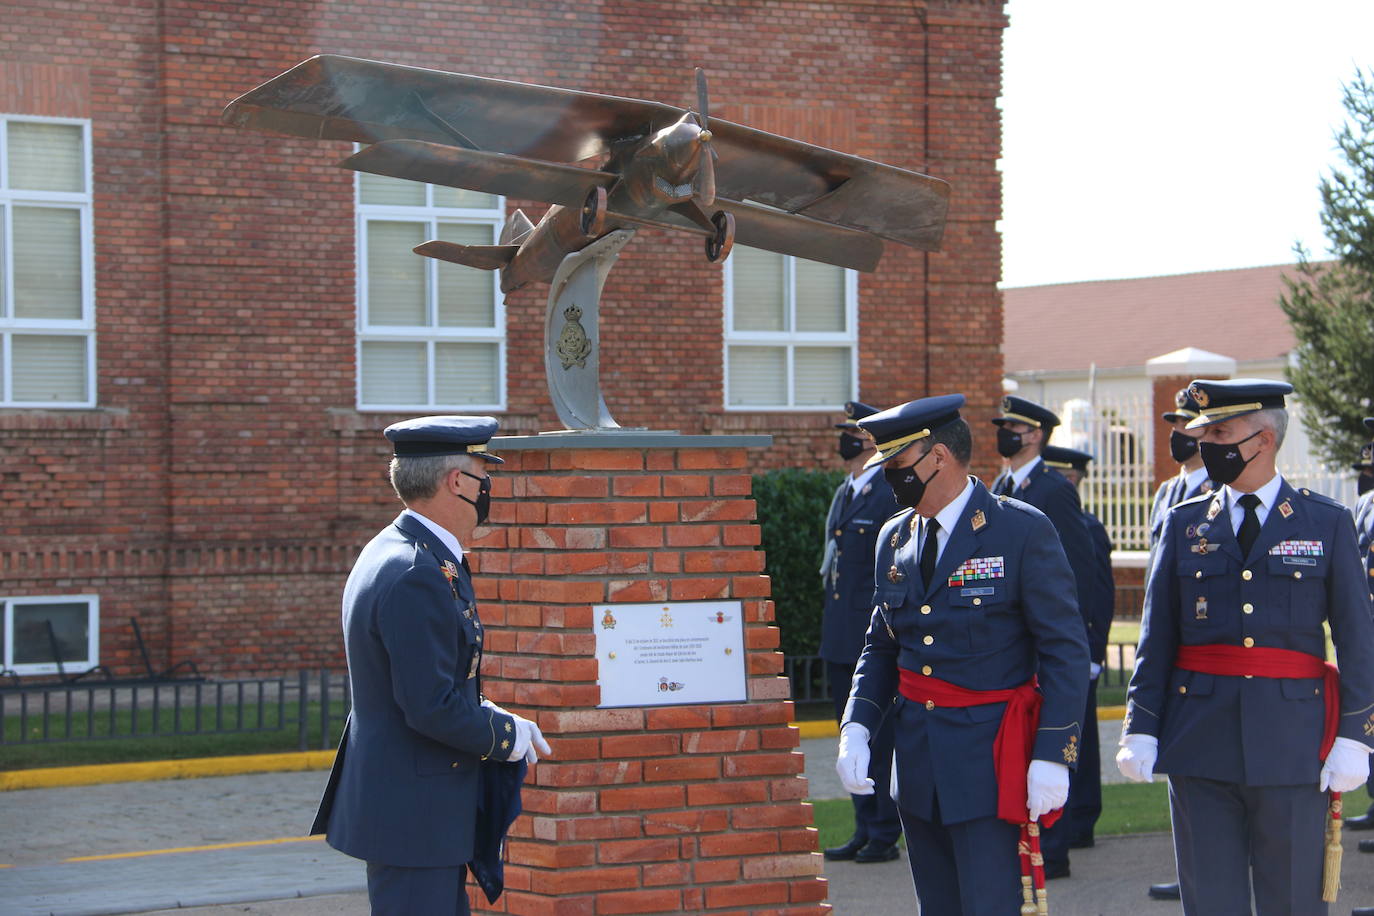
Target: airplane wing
[474, 170]
[829, 186]
[329, 97]
[786, 233]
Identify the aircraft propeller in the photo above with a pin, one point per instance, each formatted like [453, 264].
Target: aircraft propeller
[705, 190]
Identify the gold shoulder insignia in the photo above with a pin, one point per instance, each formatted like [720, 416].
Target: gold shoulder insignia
[978, 520]
[1285, 509]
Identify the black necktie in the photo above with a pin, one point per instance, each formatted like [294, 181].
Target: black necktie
[845, 499]
[1249, 524]
[1004, 486]
[929, 548]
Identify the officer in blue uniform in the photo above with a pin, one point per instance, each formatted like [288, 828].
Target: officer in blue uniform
[1023, 432]
[974, 598]
[1191, 478]
[1228, 695]
[862, 502]
[404, 791]
[1085, 789]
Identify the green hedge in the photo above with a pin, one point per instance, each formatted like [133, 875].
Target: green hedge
[791, 508]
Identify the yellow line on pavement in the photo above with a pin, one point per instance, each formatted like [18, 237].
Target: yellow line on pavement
[163, 852]
[55, 777]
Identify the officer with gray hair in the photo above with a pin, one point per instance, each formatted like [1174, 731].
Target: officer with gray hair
[419, 774]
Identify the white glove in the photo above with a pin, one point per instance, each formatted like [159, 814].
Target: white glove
[528, 740]
[1136, 759]
[1047, 787]
[1094, 669]
[1346, 767]
[852, 763]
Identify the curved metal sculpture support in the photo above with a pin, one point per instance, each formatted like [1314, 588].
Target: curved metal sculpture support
[572, 333]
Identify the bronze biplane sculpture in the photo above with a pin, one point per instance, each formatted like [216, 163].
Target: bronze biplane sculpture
[607, 166]
[646, 164]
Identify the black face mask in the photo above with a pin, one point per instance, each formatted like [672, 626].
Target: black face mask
[850, 446]
[483, 502]
[906, 485]
[1182, 446]
[1008, 442]
[1364, 484]
[1222, 459]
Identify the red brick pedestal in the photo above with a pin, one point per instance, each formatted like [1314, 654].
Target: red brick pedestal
[656, 809]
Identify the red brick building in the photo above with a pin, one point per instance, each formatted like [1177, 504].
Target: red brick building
[192, 389]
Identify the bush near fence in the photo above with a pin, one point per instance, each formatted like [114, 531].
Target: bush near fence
[792, 504]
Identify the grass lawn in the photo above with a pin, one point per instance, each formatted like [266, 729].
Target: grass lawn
[1126, 808]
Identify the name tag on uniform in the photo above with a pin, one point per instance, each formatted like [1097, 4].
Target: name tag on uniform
[1289, 549]
[862, 521]
[978, 568]
[970, 592]
[1300, 561]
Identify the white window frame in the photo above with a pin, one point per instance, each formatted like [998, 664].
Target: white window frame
[430, 335]
[73, 665]
[791, 340]
[85, 325]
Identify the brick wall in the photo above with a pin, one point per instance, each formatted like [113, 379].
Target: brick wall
[225, 281]
[664, 809]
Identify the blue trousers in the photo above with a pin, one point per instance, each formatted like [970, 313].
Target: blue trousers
[394, 890]
[875, 816]
[966, 869]
[1229, 838]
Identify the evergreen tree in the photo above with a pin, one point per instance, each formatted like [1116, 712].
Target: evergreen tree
[1331, 305]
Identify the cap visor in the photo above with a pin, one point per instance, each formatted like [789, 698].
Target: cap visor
[881, 456]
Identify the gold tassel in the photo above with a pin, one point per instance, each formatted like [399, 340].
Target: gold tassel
[1331, 866]
[1027, 897]
[1042, 902]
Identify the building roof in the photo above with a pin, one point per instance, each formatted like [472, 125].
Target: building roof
[1123, 323]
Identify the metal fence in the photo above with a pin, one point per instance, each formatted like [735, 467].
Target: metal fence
[312, 705]
[810, 684]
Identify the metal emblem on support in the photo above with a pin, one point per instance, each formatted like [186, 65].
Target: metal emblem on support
[572, 333]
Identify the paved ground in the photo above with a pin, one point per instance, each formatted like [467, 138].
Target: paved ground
[143, 846]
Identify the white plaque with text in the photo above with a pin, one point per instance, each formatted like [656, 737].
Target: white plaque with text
[661, 654]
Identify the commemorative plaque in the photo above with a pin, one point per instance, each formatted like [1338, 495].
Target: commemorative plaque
[665, 654]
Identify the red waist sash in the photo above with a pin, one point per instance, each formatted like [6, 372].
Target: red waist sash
[1011, 751]
[1262, 661]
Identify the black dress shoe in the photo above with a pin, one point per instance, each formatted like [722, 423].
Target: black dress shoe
[1366, 845]
[1362, 911]
[847, 851]
[877, 852]
[1056, 870]
[1165, 892]
[1360, 822]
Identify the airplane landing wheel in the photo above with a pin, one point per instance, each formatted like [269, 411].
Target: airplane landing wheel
[594, 213]
[718, 248]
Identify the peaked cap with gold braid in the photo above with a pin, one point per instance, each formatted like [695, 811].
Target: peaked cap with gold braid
[895, 429]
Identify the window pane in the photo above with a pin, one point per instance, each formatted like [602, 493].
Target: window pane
[467, 296]
[71, 629]
[822, 376]
[458, 197]
[48, 367]
[466, 373]
[758, 375]
[395, 192]
[758, 290]
[394, 373]
[820, 296]
[46, 157]
[395, 274]
[47, 263]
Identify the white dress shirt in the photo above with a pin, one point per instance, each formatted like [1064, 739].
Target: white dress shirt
[439, 531]
[948, 517]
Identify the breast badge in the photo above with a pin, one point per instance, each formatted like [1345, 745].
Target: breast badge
[1200, 609]
[895, 575]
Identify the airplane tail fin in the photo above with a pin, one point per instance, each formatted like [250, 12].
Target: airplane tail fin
[483, 257]
[516, 228]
